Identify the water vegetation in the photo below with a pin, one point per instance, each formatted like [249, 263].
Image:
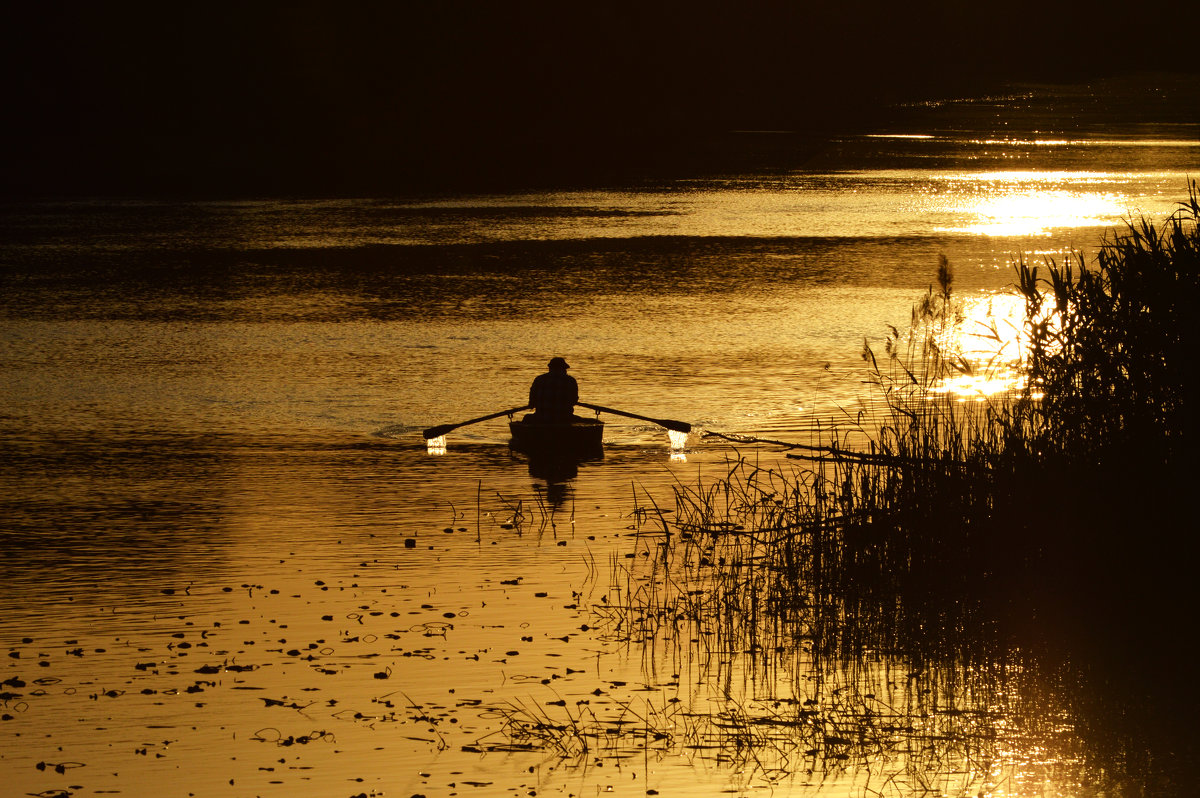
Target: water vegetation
[984, 594]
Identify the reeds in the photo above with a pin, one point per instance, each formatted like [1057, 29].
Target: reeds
[986, 592]
[747, 591]
[1113, 355]
[1031, 538]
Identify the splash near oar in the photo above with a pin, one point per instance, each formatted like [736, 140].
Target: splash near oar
[441, 430]
[671, 424]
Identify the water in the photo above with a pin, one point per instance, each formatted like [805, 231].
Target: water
[231, 562]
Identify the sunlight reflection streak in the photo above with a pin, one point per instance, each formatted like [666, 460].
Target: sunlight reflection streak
[1020, 204]
[991, 342]
[678, 439]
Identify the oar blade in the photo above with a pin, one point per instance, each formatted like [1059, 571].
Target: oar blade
[438, 431]
[677, 426]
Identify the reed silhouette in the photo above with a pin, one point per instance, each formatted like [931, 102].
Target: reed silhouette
[980, 571]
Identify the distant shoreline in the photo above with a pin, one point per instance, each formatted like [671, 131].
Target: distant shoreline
[282, 158]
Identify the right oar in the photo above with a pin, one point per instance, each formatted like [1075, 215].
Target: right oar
[439, 431]
[678, 426]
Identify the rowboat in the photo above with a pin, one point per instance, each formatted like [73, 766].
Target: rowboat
[579, 438]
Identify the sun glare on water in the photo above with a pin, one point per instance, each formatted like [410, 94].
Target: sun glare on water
[992, 341]
[1029, 204]
[678, 444]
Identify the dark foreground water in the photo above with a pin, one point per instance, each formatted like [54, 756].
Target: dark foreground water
[232, 568]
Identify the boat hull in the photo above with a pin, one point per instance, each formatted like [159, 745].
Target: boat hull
[579, 438]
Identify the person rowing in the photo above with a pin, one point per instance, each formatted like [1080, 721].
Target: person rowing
[553, 397]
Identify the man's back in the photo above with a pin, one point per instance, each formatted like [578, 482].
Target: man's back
[553, 395]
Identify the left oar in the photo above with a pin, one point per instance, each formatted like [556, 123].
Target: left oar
[439, 431]
[678, 426]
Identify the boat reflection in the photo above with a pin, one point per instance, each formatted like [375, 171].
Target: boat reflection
[558, 470]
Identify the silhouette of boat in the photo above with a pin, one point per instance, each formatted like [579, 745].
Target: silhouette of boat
[580, 438]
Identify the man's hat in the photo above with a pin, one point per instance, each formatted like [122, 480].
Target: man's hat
[558, 364]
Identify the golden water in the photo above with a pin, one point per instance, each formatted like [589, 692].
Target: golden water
[233, 566]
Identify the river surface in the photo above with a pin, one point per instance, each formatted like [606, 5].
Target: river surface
[232, 567]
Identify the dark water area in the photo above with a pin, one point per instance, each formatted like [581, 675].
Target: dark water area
[232, 564]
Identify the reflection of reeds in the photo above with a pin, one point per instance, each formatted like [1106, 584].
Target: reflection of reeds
[804, 675]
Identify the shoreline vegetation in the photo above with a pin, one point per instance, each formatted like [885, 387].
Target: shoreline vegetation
[988, 593]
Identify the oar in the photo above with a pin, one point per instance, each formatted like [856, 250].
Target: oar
[439, 431]
[678, 426]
